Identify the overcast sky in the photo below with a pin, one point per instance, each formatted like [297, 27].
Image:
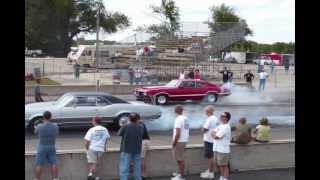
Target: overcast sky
[271, 20]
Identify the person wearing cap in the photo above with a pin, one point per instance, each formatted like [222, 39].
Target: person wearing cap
[95, 142]
[262, 79]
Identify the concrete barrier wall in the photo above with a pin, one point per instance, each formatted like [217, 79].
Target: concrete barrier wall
[73, 164]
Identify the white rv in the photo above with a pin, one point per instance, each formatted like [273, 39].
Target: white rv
[239, 57]
[85, 55]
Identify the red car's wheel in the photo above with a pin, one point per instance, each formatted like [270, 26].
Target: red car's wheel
[211, 98]
[161, 99]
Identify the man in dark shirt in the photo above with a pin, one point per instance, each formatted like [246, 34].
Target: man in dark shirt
[191, 74]
[230, 75]
[47, 133]
[144, 148]
[249, 77]
[130, 148]
[225, 75]
[37, 92]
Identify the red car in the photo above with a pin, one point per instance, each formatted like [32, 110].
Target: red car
[181, 90]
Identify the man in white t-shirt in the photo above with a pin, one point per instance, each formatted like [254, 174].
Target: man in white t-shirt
[96, 140]
[210, 124]
[180, 139]
[221, 145]
[262, 79]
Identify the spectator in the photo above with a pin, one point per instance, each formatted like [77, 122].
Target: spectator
[221, 145]
[286, 67]
[242, 132]
[95, 142]
[180, 139]
[262, 79]
[47, 133]
[272, 64]
[130, 148]
[249, 77]
[230, 75]
[76, 69]
[182, 75]
[191, 74]
[146, 51]
[210, 124]
[260, 65]
[131, 75]
[145, 75]
[138, 76]
[197, 74]
[180, 50]
[37, 92]
[225, 75]
[144, 149]
[262, 132]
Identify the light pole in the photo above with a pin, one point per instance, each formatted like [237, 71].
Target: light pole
[97, 33]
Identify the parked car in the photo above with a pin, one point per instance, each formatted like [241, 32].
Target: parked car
[182, 90]
[34, 53]
[75, 109]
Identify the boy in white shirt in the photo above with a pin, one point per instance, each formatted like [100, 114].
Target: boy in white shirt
[221, 145]
[96, 140]
[209, 125]
[180, 139]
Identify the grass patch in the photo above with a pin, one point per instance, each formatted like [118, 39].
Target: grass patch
[43, 81]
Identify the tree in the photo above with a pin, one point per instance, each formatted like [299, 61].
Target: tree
[224, 18]
[52, 24]
[168, 14]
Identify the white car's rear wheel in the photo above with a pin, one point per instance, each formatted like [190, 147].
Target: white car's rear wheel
[122, 119]
[34, 123]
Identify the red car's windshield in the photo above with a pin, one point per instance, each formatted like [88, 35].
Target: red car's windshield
[172, 83]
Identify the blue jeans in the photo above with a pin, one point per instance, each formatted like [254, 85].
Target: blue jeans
[262, 84]
[124, 165]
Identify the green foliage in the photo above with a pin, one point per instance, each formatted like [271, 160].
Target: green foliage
[169, 14]
[224, 17]
[50, 25]
[251, 46]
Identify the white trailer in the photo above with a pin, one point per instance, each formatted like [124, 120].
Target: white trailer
[85, 55]
[239, 57]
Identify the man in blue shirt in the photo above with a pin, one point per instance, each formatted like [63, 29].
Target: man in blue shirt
[47, 133]
[130, 148]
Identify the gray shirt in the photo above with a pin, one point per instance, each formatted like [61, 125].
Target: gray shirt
[47, 133]
[131, 141]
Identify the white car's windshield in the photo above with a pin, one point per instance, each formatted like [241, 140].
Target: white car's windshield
[64, 99]
[172, 83]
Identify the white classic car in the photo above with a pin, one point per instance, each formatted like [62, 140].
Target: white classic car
[75, 109]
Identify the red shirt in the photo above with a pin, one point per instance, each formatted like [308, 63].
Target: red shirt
[197, 75]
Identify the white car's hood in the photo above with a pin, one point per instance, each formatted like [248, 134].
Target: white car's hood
[40, 105]
[137, 102]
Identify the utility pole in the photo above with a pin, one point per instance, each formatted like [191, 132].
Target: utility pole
[97, 31]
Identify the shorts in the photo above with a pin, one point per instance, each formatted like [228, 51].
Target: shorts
[94, 156]
[222, 159]
[179, 151]
[145, 147]
[208, 152]
[46, 153]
